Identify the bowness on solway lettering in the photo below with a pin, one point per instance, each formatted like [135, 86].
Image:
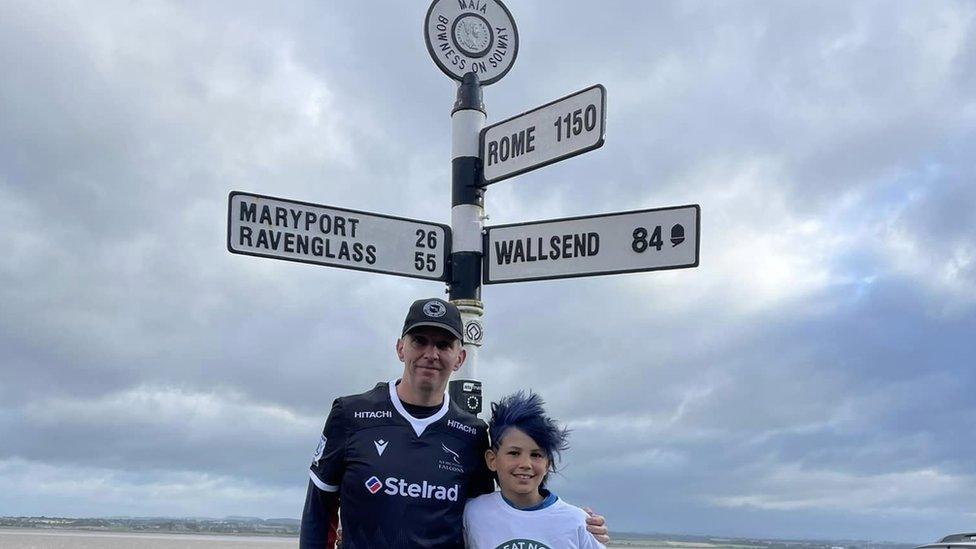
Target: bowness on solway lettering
[279, 216]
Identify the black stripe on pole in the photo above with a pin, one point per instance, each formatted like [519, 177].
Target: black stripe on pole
[469, 94]
[465, 275]
[465, 178]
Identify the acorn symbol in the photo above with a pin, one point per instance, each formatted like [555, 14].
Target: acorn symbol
[677, 235]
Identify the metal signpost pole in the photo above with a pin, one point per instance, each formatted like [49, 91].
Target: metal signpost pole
[474, 43]
[467, 215]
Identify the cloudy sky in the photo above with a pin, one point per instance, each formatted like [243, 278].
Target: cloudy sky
[814, 377]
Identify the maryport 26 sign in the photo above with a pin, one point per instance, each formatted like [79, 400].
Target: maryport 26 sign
[277, 228]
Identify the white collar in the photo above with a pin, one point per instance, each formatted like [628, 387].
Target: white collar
[419, 425]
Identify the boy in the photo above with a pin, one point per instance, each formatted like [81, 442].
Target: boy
[525, 445]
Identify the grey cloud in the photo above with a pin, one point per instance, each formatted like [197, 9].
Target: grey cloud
[125, 128]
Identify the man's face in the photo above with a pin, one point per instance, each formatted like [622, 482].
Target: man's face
[429, 356]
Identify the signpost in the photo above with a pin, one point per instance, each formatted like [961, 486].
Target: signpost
[265, 226]
[476, 42]
[555, 131]
[624, 242]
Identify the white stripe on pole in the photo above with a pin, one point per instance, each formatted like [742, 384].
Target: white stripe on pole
[468, 239]
[466, 127]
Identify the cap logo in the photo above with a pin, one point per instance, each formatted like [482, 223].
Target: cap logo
[434, 309]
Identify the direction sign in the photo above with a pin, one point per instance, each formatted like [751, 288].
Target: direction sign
[555, 131]
[476, 36]
[624, 242]
[277, 228]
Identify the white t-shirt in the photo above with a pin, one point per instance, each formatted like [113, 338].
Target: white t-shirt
[491, 523]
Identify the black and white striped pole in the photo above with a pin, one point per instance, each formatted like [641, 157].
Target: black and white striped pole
[467, 217]
[475, 43]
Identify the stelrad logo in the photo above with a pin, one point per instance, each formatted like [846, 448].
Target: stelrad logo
[373, 485]
[424, 490]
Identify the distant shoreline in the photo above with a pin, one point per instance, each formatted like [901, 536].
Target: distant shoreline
[70, 532]
[288, 529]
[73, 530]
[235, 526]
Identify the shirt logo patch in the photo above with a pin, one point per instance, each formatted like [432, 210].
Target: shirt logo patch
[380, 446]
[522, 544]
[453, 464]
[424, 490]
[462, 427]
[376, 414]
[374, 485]
[457, 458]
[319, 450]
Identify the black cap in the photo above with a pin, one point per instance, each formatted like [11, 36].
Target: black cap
[434, 312]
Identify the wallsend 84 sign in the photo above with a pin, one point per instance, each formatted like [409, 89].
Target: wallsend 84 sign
[265, 226]
[624, 242]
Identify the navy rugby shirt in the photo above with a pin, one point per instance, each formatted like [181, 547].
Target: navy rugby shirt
[402, 480]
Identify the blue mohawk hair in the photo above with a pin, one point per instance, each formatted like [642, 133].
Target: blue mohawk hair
[527, 414]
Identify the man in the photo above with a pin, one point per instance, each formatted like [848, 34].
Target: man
[402, 459]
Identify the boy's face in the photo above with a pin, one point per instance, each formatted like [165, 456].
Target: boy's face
[520, 465]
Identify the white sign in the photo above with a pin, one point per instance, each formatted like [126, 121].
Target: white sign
[271, 227]
[476, 36]
[553, 132]
[625, 242]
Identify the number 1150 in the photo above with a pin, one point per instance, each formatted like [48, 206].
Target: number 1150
[573, 123]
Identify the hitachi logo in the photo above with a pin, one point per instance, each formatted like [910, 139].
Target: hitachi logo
[458, 425]
[372, 415]
[399, 487]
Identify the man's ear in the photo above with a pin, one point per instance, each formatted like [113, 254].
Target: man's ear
[399, 348]
[490, 459]
[461, 356]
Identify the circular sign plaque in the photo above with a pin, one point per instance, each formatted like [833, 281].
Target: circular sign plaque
[473, 332]
[476, 36]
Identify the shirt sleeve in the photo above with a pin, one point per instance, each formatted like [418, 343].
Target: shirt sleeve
[320, 517]
[586, 539]
[328, 463]
[468, 542]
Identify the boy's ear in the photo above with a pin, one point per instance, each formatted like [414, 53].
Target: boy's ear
[490, 460]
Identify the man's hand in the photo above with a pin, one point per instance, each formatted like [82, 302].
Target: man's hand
[597, 525]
